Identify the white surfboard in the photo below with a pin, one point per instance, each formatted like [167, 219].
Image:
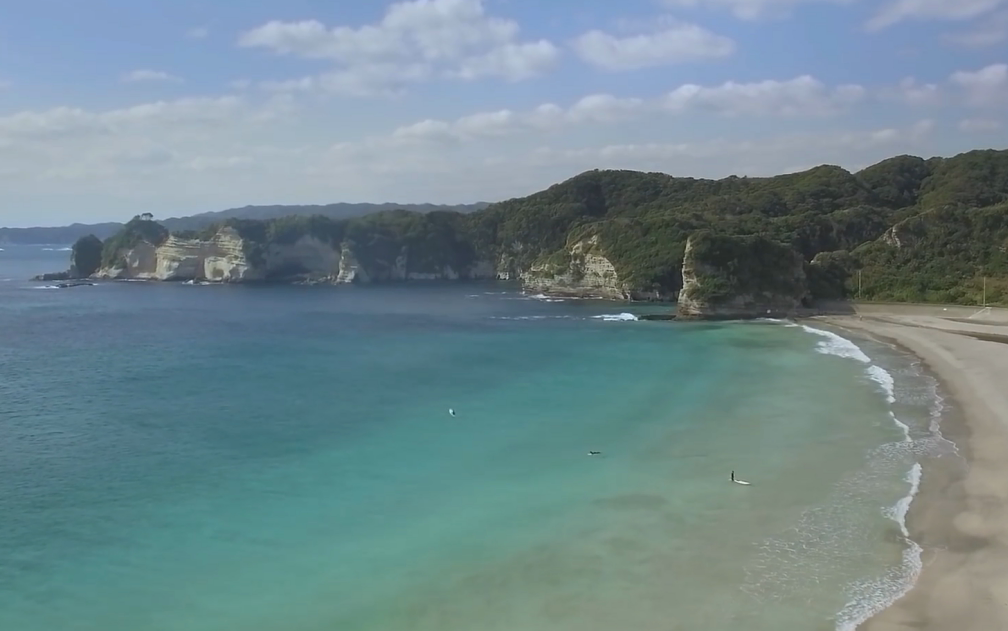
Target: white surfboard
[451, 411]
[741, 482]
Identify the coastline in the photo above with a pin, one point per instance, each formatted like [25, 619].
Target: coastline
[960, 519]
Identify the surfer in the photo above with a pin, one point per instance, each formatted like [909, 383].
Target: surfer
[597, 453]
[451, 411]
[738, 481]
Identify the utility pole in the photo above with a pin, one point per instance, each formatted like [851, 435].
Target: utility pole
[985, 291]
[859, 284]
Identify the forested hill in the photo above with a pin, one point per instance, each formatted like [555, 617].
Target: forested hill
[915, 229]
[952, 214]
[69, 234]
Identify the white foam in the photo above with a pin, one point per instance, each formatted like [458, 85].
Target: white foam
[46, 287]
[616, 317]
[786, 323]
[882, 377]
[834, 344]
[873, 596]
[544, 298]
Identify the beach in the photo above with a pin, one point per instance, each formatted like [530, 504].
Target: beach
[960, 518]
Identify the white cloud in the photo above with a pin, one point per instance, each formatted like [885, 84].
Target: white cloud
[987, 87]
[751, 9]
[896, 11]
[415, 41]
[979, 125]
[802, 95]
[198, 32]
[992, 30]
[671, 43]
[911, 92]
[149, 76]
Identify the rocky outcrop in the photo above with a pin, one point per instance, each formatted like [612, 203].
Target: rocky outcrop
[581, 271]
[729, 277]
[85, 259]
[222, 258]
[227, 257]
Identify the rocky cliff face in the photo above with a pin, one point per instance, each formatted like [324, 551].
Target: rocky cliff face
[221, 259]
[228, 258]
[582, 272]
[727, 277]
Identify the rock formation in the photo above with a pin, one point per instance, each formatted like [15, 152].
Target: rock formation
[728, 277]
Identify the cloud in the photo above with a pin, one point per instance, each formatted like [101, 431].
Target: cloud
[897, 11]
[198, 32]
[415, 41]
[750, 9]
[979, 125]
[987, 87]
[802, 96]
[149, 76]
[912, 93]
[770, 154]
[990, 31]
[672, 42]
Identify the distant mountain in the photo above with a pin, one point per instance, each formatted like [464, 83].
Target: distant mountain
[69, 234]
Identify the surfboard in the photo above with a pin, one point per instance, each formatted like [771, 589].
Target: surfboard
[741, 482]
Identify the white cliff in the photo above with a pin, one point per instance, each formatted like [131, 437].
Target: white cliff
[587, 274]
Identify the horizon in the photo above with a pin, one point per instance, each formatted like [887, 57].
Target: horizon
[182, 108]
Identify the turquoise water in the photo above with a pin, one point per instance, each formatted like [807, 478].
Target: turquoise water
[208, 458]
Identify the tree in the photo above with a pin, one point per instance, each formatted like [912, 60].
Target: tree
[87, 255]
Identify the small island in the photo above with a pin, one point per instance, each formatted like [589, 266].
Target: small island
[905, 229]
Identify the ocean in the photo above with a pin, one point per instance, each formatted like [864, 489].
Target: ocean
[210, 458]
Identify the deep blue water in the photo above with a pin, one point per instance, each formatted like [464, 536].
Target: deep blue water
[179, 457]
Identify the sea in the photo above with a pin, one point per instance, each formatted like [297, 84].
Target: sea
[282, 458]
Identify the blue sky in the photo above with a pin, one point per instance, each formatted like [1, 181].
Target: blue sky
[110, 108]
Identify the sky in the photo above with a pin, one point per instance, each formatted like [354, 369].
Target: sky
[112, 108]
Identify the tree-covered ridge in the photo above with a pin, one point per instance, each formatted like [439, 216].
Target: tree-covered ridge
[641, 221]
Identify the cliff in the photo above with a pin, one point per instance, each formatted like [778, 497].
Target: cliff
[234, 254]
[740, 277]
[906, 228]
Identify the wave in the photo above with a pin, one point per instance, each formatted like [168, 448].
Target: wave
[616, 317]
[837, 345]
[543, 298]
[874, 596]
[534, 317]
[605, 317]
[46, 287]
[57, 249]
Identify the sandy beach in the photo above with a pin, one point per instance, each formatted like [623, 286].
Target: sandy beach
[960, 518]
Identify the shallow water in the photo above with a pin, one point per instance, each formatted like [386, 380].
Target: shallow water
[207, 458]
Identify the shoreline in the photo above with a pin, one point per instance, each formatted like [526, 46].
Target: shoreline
[959, 518]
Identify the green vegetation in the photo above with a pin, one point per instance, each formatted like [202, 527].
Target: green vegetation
[729, 266]
[87, 255]
[136, 231]
[949, 215]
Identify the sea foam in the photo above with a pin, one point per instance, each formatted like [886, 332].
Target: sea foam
[616, 317]
[872, 596]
